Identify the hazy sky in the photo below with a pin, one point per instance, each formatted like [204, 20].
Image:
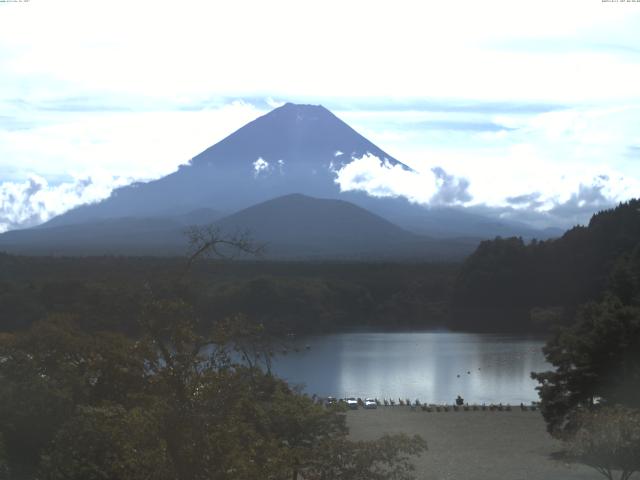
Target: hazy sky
[522, 108]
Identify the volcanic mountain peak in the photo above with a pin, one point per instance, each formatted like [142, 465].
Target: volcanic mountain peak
[292, 134]
[300, 111]
[293, 148]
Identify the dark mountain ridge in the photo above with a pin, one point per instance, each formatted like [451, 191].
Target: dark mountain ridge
[291, 226]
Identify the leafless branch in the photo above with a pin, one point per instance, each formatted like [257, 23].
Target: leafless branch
[210, 240]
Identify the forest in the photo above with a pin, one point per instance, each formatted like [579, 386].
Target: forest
[506, 285]
[287, 297]
[509, 285]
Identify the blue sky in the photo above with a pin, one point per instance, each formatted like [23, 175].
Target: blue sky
[526, 110]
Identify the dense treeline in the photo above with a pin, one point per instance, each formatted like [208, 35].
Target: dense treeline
[597, 361]
[590, 399]
[509, 285]
[302, 297]
[506, 285]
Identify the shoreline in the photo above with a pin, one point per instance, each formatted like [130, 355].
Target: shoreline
[449, 407]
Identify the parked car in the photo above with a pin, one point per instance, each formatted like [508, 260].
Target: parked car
[370, 403]
[352, 403]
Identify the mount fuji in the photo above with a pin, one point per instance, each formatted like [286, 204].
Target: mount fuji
[294, 149]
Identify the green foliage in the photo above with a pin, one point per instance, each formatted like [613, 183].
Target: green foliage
[609, 439]
[504, 279]
[107, 293]
[624, 279]
[80, 400]
[4, 464]
[491, 289]
[107, 442]
[596, 361]
[171, 404]
[388, 458]
[49, 370]
[17, 308]
[293, 304]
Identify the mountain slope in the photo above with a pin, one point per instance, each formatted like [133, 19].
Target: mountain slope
[301, 224]
[292, 226]
[119, 236]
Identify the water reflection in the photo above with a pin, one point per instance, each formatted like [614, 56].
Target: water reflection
[433, 367]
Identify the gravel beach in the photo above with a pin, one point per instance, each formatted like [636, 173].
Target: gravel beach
[474, 445]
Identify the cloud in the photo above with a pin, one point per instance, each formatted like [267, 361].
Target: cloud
[260, 165]
[10, 123]
[454, 125]
[34, 201]
[143, 144]
[537, 210]
[583, 203]
[438, 106]
[525, 199]
[451, 190]
[437, 188]
[80, 104]
[271, 103]
[458, 53]
[633, 151]
[530, 201]
[563, 45]
[381, 179]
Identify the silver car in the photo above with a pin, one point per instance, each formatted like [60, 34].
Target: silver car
[370, 403]
[352, 403]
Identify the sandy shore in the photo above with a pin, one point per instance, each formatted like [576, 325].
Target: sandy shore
[480, 445]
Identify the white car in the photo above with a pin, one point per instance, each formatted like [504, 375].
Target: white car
[370, 403]
[352, 403]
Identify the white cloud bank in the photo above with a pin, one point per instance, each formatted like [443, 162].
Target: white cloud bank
[544, 50]
[144, 144]
[382, 179]
[435, 187]
[29, 203]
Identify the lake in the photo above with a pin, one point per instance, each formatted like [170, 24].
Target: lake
[433, 367]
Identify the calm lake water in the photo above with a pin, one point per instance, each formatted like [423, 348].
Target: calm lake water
[431, 367]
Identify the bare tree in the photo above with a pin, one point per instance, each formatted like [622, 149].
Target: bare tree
[211, 241]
